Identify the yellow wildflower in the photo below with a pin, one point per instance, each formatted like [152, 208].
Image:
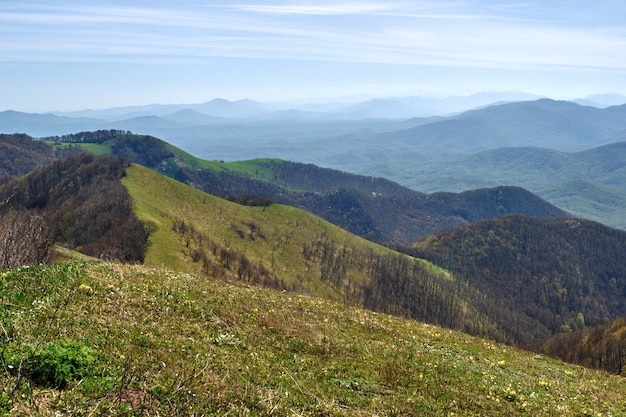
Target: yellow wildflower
[86, 289]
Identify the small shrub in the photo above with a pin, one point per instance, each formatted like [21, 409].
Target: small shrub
[59, 363]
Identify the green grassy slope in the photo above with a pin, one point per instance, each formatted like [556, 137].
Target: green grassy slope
[137, 340]
[174, 156]
[269, 236]
[287, 248]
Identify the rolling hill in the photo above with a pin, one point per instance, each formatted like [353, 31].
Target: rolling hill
[371, 207]
[589, 184]
[287, 248]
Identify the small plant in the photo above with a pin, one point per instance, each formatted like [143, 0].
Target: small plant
[60, 363]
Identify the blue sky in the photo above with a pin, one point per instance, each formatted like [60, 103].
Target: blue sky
[69, 55]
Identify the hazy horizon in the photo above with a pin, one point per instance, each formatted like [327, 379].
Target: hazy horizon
[72, 55]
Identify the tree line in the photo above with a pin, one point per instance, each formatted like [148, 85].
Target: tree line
[97, 136]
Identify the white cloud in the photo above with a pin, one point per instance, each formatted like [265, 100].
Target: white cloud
[400, 33]
[317, 9]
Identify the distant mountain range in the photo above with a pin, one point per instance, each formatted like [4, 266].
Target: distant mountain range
[534, 144]
[334, 135]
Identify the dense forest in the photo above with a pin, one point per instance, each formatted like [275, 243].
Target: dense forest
[551, 270]
[85, 206]
[602, 346]
[20, 154]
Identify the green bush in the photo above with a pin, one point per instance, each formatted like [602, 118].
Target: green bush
[59, 363]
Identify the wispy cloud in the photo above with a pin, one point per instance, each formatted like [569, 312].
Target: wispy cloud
[495, 35]
[318, 9]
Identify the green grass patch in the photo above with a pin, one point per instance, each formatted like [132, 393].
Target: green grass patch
[258, 168]
[95, 148]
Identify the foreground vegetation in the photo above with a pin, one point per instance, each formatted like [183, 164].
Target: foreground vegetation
[94, 338]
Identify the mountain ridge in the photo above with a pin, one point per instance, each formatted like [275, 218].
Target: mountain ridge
[375, 208]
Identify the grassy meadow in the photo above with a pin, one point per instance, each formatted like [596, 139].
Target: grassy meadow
[96, 338]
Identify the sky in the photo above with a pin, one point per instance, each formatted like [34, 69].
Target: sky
[62, 55]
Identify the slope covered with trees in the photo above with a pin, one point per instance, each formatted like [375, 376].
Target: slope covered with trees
[548, 271]
[589, 184]
[84, 205]
[602, 346]
[20, 154]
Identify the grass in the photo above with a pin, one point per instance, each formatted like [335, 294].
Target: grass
[169, 343]
[95, 148]
[258, 168]
[280, 231]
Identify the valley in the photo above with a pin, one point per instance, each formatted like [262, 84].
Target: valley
[142, 230]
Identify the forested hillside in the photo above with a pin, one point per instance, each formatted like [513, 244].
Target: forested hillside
[20, 154]
[549, 271]
[406, 218]
[602, 346]
[590, 184]
[84, 205]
